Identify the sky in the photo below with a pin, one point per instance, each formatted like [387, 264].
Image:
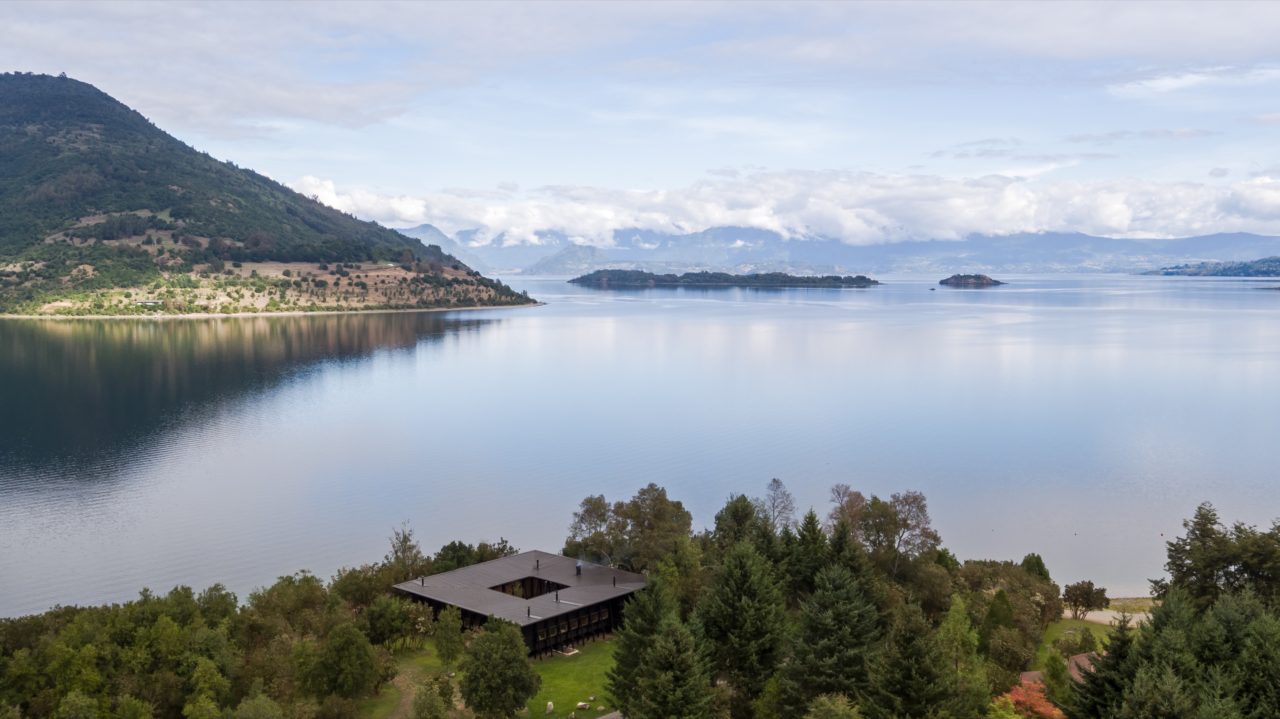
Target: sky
[865, 122]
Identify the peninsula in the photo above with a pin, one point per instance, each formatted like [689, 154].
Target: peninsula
[630, 279]
[103, 213]
[970, 281]
[1265, 267]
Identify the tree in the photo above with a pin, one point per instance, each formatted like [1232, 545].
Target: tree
[634, 535]
[897, 529]
[1057, 679]
[345, 664]
[999, 614]
[590, 533]
[259, 706]
[674, 682]
[645, 615]
[427, 704]
[449, 640]
[1101, 694]
[741, 619]
[497, 679]
[778, 504]
[1082, 597]
[807, 556]
[958, 644]
[832, 706]
[738, 521]
[1034, 565]
[78, 706]
[913, 678]
[835, 648]
[405, 559]
[128, 707]
[1029, 701]
[389, 619]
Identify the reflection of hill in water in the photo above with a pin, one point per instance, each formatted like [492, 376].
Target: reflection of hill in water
[84, 390]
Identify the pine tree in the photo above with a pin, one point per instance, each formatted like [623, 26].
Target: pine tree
[674, 683]
[643, 619]
[958, 642]
[835, 648]
[741, 619]
[1101, 694]
[1258, 668]
[808, 555]
[913, 677]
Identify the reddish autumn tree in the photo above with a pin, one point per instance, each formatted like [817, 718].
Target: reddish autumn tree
[1029, 701]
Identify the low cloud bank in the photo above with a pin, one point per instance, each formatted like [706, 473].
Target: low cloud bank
[855, 207]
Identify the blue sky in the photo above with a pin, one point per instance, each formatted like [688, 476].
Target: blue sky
[863, 121]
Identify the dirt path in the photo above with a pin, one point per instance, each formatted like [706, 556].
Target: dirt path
[408, 687]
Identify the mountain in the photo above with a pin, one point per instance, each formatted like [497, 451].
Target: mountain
[745, 250]
[94, 198]
[1266, 267]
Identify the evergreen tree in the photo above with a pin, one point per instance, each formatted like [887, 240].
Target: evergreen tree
[497, 679]
[643, 618]
[1258, 668]
[674, 683]
[999, 614]
[741, 619]
[832, 707]
[913, 680]
[1057, 679]
[809, 554]
[1101, 694]
[958, 643]
[834, 650]
[1034, 565]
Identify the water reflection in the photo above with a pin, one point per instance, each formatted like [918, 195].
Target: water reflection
[79, 392]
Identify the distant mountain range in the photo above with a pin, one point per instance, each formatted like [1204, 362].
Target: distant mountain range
[746, 250]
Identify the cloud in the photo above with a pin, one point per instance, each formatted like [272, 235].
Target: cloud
[1223, 76]
[1107, 138]
[1219, 172]
[855, 207]
[1270, 118]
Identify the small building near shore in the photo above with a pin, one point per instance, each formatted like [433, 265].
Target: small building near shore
[556, 601]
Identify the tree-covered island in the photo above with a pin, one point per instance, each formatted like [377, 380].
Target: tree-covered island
[633, 279]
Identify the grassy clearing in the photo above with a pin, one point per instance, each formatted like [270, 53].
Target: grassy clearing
[569, 680]
[565, 682]
[1058, 628]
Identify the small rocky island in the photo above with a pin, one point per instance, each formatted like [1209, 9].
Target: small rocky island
[631, 279]
[970, 281]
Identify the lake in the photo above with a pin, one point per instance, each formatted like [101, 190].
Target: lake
[1081, 417]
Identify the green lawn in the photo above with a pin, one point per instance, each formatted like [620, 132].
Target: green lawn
[1058, 628]
[569, 680]
[565, 681]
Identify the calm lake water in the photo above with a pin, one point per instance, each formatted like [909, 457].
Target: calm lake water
[1082, 417]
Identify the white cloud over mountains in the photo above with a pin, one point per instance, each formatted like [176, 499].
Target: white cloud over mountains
[855, 207]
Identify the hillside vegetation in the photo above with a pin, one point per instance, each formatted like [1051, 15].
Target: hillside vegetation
[94, 198]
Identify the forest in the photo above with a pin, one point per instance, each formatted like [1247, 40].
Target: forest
[858, 613]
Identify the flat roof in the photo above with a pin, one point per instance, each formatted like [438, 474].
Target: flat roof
[470, 588]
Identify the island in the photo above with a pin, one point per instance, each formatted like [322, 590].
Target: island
[1265, 267]
[631, 279]
[970, 281]
[104, 214]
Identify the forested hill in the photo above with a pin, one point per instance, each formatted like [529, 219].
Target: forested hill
[93, 196]
[775, 280]
[1266, 267]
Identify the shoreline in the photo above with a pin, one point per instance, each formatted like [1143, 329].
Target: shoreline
[287, 313]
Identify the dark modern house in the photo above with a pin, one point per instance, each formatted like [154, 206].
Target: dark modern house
[556, 601]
